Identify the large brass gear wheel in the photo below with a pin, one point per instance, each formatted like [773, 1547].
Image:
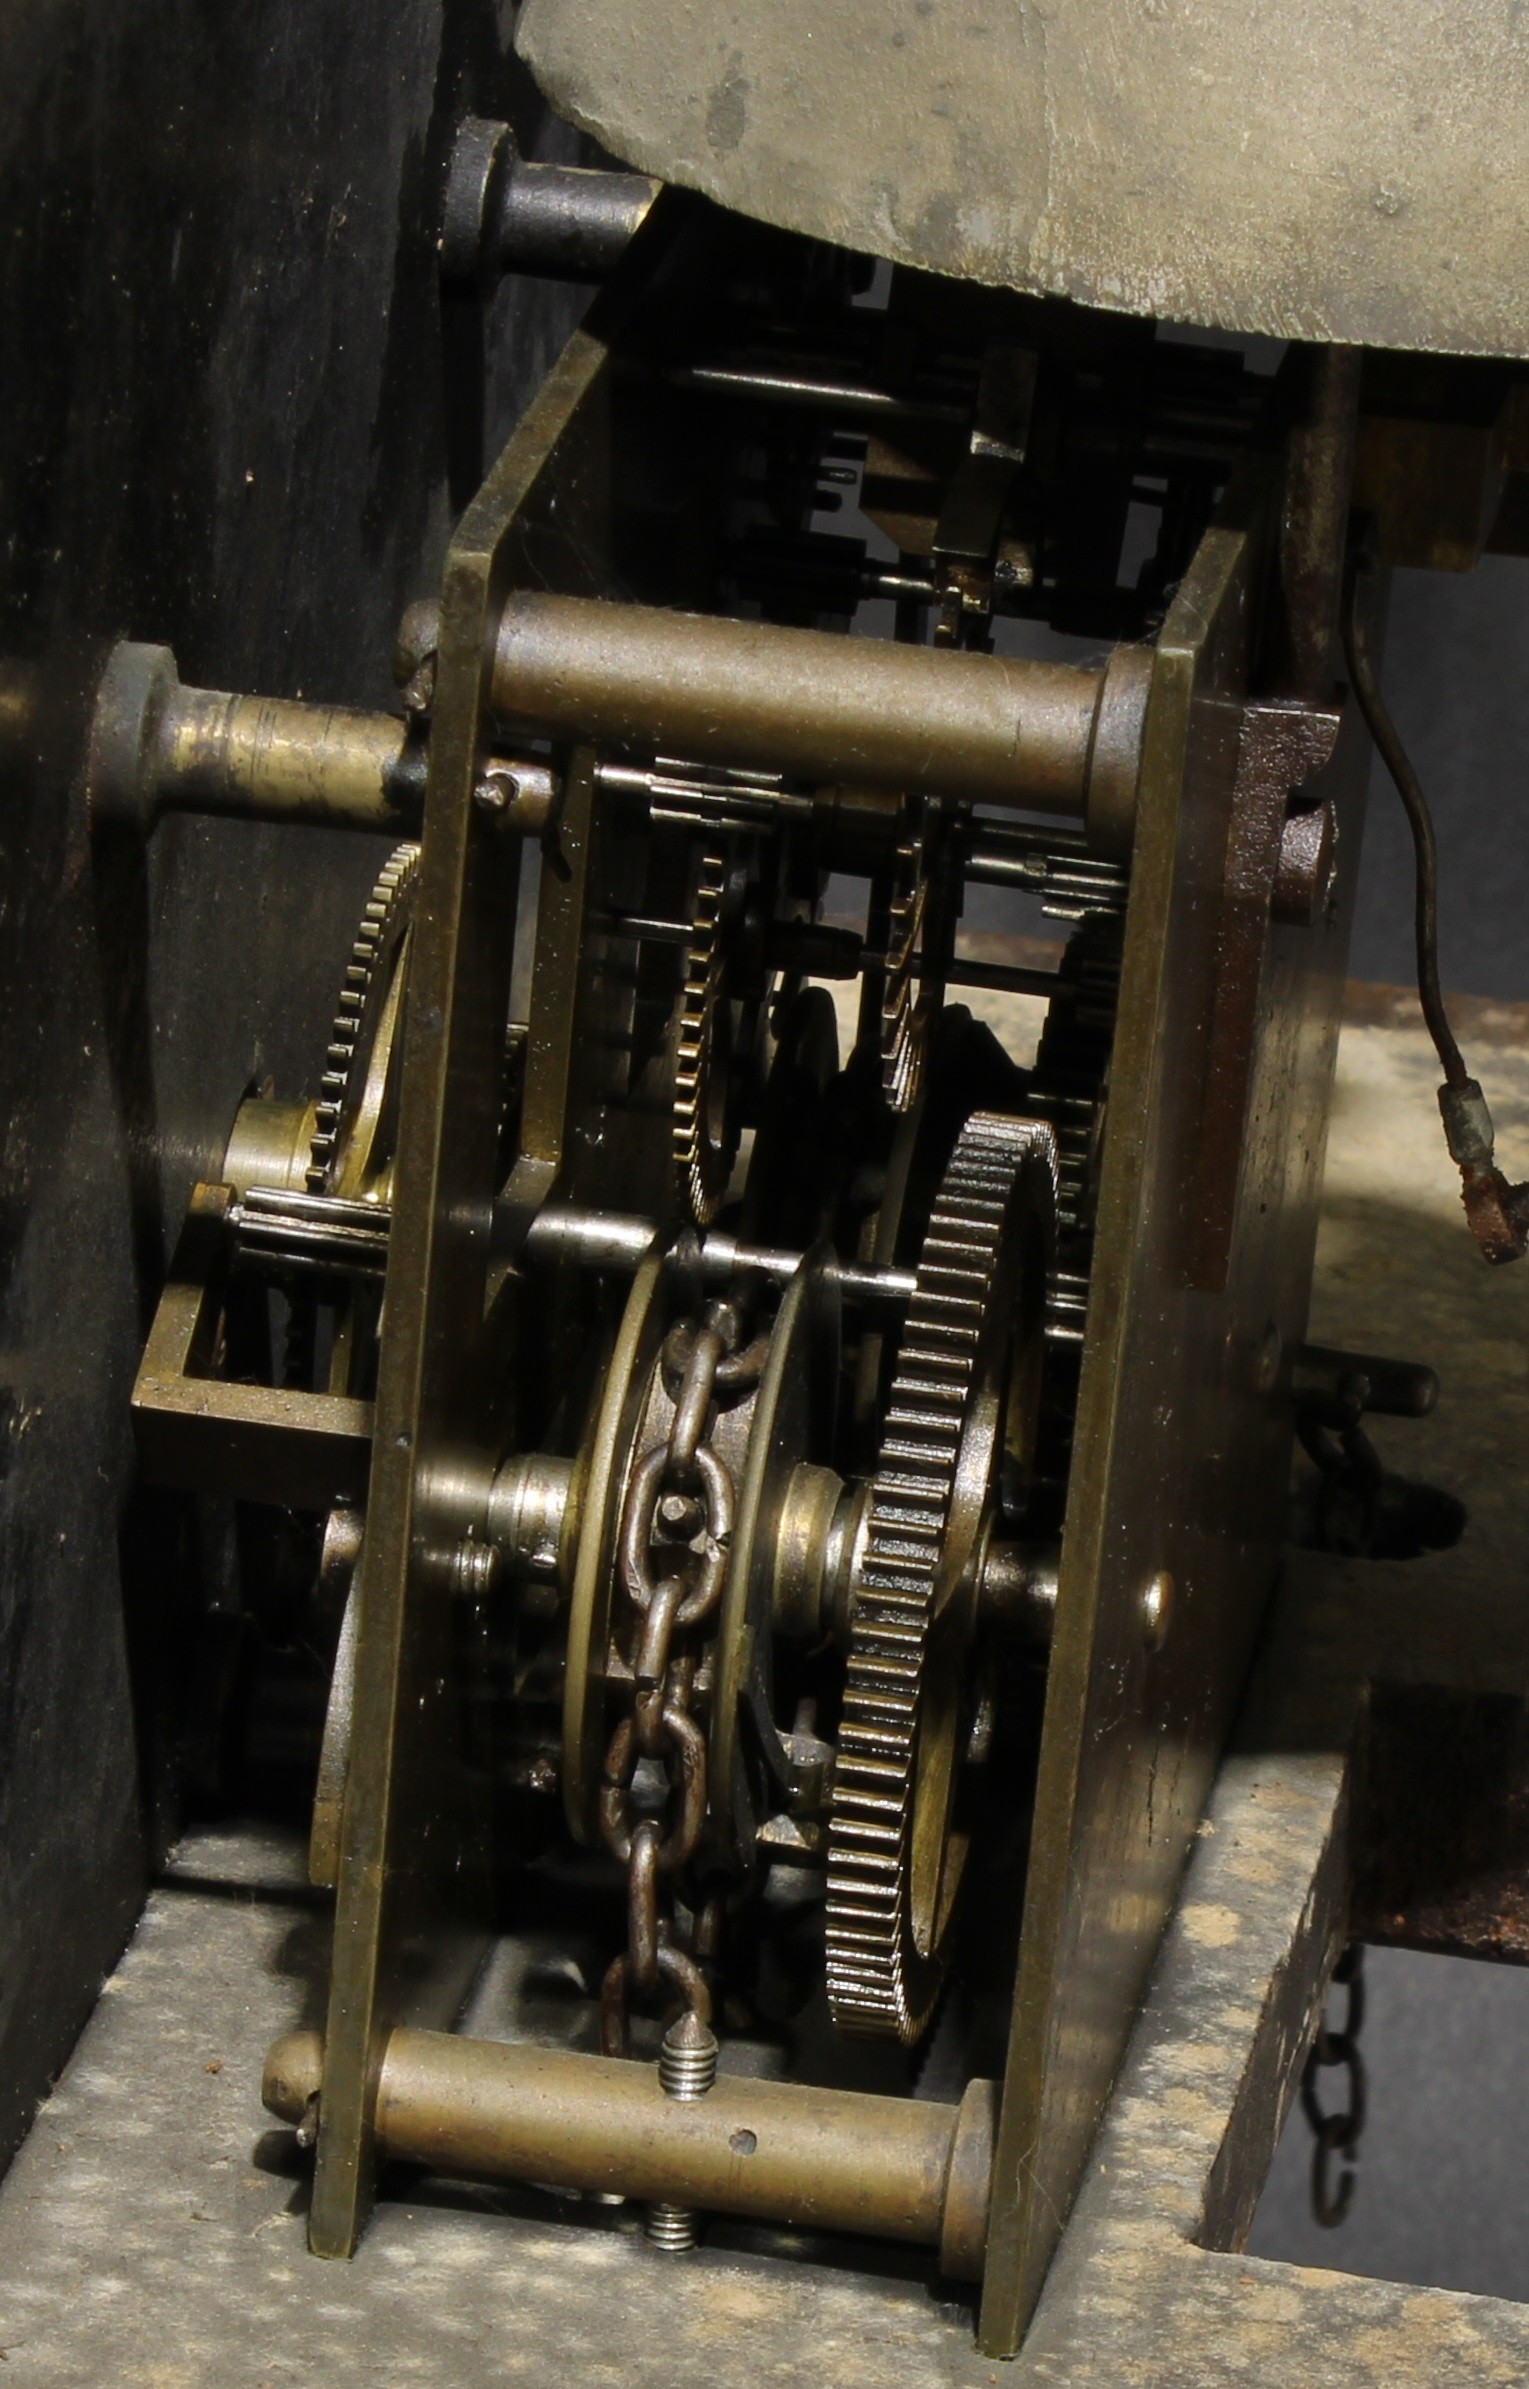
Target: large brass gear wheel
[350, 1150]
[961, 1419]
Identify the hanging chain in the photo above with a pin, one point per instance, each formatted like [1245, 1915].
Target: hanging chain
[1338, 2133]
[672, 1552]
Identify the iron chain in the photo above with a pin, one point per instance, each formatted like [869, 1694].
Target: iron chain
[1337, 2134]
[672, 1552]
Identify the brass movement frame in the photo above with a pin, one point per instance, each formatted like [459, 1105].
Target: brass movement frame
[408, 1916]
[1178, 1479]
[1166, 1561]
[209, 1434]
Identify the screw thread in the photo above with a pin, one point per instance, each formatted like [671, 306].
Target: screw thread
[687, 2059]
[671, 2227]
[687, 2068]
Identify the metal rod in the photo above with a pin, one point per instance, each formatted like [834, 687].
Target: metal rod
[595, 1239]
[1392, 1388]
[508, 214]
[274, 759]
[1314, 527]
[786, 2152]
[857, 399]
[306, 1231]
[1036, 839]
[1017, 1591]
[1005, 978]
[988, 729]
[622, 1241]
[575, 223]
[886, 1289]
[158, 747]
[723, 1256]
[324, 1232]
[844, 958]
[876, 583]
[994, 864]
[732, 793]
[651, 932]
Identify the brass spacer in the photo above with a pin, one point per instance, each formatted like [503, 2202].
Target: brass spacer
[1112, 775]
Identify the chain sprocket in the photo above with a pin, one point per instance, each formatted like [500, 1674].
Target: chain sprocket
[893, 1861]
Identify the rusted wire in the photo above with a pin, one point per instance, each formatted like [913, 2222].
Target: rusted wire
[1498, 1213]
[1419, 820]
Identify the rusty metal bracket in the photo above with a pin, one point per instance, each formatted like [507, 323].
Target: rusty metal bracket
[1279, 865]
[196, 1430]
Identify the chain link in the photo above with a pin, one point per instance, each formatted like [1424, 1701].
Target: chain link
[1337, 2134]
[672, 1552]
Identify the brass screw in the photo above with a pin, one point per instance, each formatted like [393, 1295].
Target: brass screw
[681, 1516]
[1156, 1609]
[496, 790]
[522, 799]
